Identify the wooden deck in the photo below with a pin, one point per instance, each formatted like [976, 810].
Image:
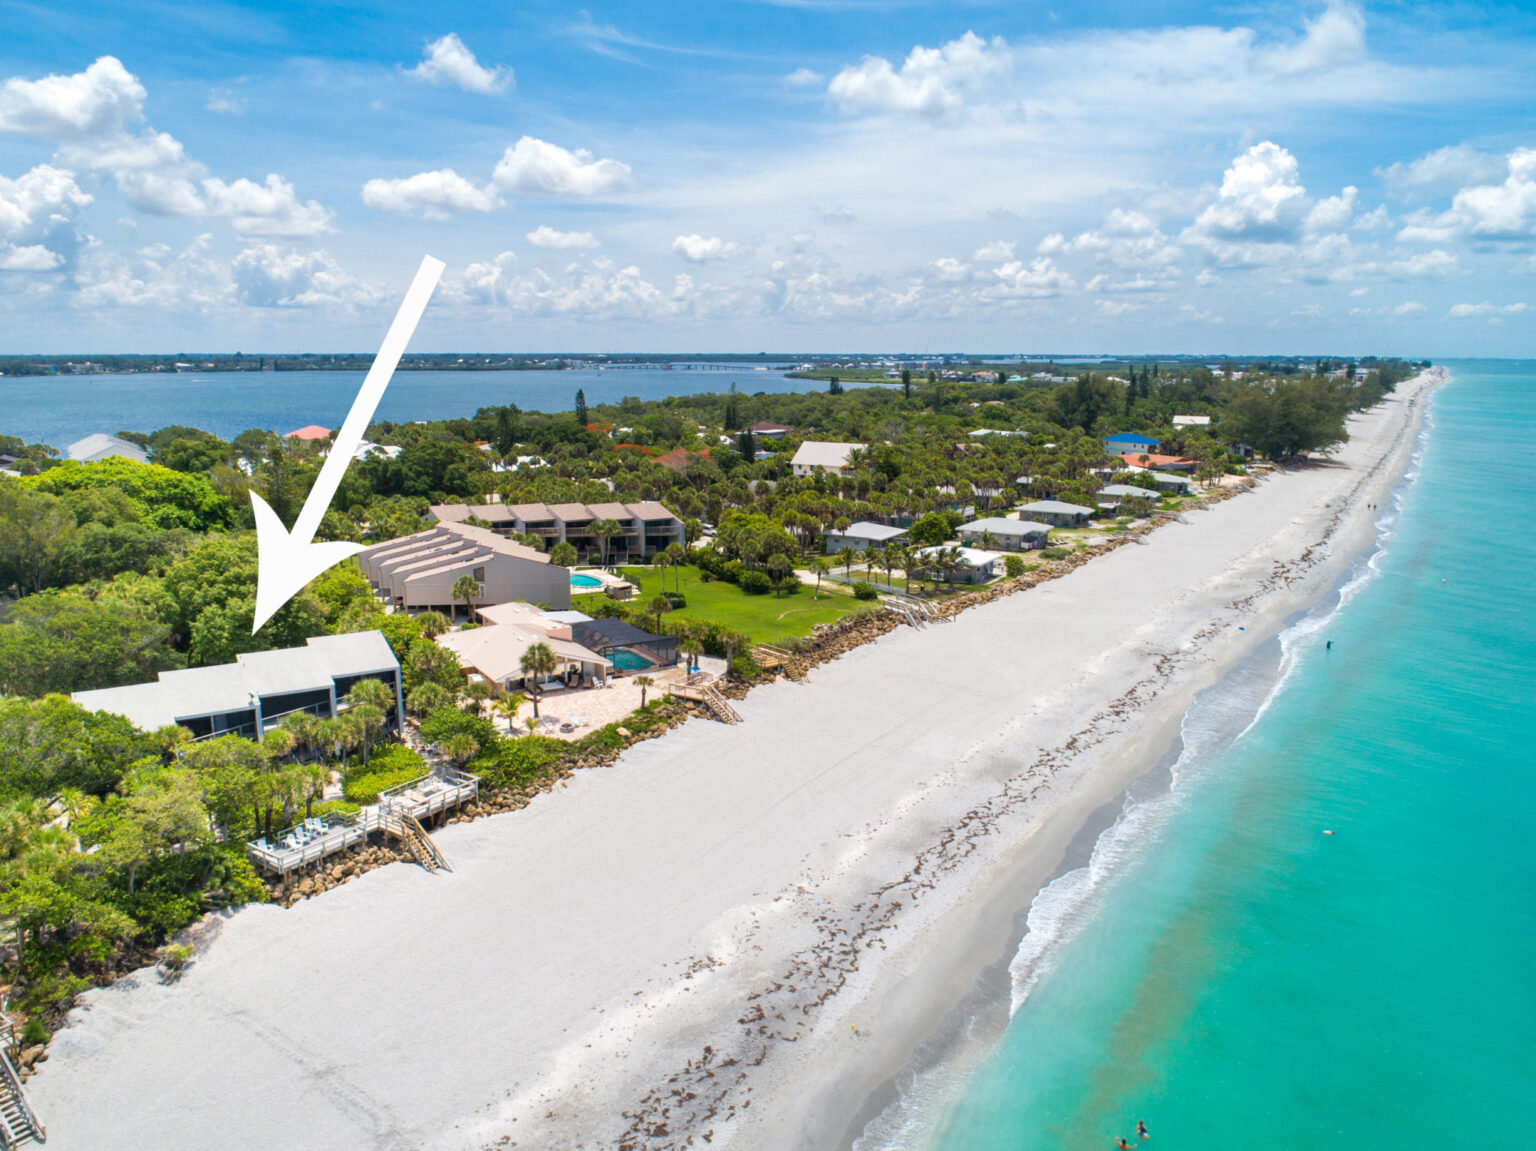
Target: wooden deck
[307, 843]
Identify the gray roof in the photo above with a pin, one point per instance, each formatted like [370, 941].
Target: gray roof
[1126, 491]
[1056, 507]
[1004, 527]
[102, 446]
[226, 687]
[867, 530]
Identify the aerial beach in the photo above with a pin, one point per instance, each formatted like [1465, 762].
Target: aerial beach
[805, 576]
[804, 894]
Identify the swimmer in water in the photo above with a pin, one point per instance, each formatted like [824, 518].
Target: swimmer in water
[1120, 1142]
[1141, 1130]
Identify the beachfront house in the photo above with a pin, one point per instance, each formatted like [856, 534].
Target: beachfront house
[958, 565]
[1113, 495]
[493, 653]
[1005, 534]
[104, 447]
[417, 572]
[1191, 421]
[645, 527]
[1169, 483]
[860, 535]
[1056, 513]
[1124, 442]
[250, 696]
[830, 456]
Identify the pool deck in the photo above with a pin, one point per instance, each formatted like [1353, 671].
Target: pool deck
[603, 579]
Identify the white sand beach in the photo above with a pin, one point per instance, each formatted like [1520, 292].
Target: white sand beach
[735, 931]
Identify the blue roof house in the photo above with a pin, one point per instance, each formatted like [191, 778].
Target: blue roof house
[1129, 442]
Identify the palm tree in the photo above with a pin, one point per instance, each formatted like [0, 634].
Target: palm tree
[509, 705]
[312, 778]
[872, 558]
[461, 748]
[428, 698]
[479, 692]
[532, 722]
[172, 738]
[691, 649]
[563, 555]
[432, 623]
[820, 566]
[466, 588]
[605, 530]
[643, 682]
[677, 557]
[539, 660]
[847, 557]
[370, 701]
[658, 606]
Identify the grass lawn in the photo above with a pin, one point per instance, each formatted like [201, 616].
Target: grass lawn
[762, 618]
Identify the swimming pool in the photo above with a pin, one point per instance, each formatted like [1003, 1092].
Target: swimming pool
[627, 660]
[585, 581]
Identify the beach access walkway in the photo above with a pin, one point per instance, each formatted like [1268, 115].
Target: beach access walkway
[398, 813]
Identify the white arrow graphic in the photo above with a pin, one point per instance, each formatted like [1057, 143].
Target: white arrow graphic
[288, 561]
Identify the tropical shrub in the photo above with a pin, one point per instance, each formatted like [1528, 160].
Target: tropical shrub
[516, 761]
[756, 583]
[1014, 566]
[447, 722]
[1053, 553]
[865, 591]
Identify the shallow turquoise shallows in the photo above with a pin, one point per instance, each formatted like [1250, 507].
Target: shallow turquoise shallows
[1241, 979]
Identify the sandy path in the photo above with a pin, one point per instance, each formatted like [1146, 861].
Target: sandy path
[706, 917]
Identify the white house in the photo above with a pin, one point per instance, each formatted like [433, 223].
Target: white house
[104, 447]
[971, 565]
[829, 456]
[1191, 421]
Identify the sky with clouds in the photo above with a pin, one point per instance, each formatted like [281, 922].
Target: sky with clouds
[770, 175]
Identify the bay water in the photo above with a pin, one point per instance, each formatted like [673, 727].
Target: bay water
[1227, 971]
[59, 410]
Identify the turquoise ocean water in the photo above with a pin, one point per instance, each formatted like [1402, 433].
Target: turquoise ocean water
[1230, 974]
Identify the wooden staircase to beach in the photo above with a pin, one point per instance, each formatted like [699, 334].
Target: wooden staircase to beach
[719, 705]
[407, 828]
[19, 1124]
[771, 658]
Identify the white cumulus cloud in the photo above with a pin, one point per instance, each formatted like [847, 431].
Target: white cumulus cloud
[546, 237]
[1502, 211]
[101, 101]
[697, 249]
[449, 61]
[270, 209]
[267, 276]
[431, 195]
[1261, 200]
[929, 81]
[538, 167]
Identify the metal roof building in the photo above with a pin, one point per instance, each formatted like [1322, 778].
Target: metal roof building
[248, 697]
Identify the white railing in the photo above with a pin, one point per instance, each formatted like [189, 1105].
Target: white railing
[315, 839]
